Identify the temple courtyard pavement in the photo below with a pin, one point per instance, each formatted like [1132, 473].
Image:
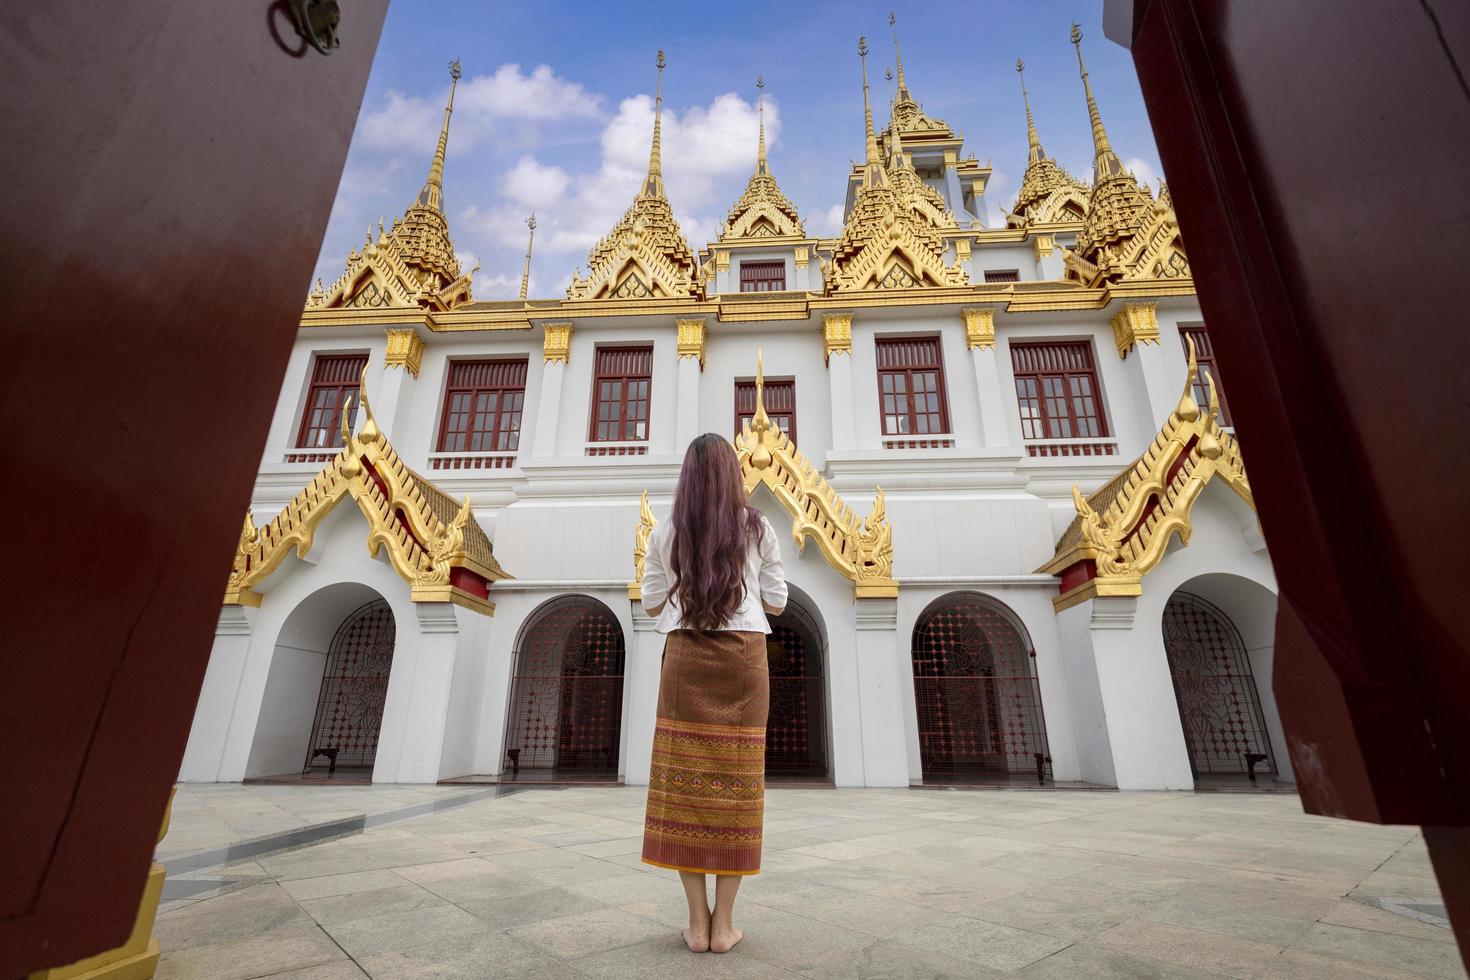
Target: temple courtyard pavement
[337, 882]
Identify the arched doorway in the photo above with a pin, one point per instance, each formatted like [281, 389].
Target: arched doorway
[354, 688]
[566, 701]
[796, 729]
[977, 695]
[1219, 706]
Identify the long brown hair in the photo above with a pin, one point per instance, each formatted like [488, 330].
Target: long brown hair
[713, 525]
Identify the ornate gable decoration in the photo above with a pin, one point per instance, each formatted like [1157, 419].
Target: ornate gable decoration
[859, 549]
[413, 263]
[432, 541]
[893, 237]
[1122, 530]
[645, 255]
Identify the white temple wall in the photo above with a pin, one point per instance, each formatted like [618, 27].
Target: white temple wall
[788, 354]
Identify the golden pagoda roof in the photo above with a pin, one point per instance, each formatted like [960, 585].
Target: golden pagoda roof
[1126, 234]
[431, 540]
[1048, 193]
[908, 116]
[763, 211]
[893, 237]
[858, 548]
[413, 263]
[645, 255]
[1122, 529]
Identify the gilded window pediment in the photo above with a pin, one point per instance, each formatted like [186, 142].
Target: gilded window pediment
[1122, 529]
[431, 540]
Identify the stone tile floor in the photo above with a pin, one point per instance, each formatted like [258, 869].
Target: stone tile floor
[857, 883]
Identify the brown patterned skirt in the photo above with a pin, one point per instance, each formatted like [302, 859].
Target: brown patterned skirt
[707, 785]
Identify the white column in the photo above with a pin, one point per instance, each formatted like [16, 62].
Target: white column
[1144, 731]
[980, 337]
[880, 693]
[1162, 387]
[837, 344]
[416, 709]
[204, 755]
[645, 663]
[547, 407]
[401, 362]
[691, 363]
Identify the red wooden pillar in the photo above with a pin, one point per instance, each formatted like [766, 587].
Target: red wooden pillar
[1316, 158]
[169, 167]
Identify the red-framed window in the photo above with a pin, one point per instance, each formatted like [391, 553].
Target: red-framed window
[620, 394]
[779, 396]
[1204, 355]
[1057, 390]
[1002, 275]
[911, 386]
[762, 277]
[333, 378]
[483, 405]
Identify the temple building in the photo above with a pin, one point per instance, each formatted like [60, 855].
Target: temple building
[1017, 524]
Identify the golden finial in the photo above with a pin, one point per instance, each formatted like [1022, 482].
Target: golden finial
[1188, 408]
[1105, 162]
[760, 100]
[1036, 154]
[526, 272]
[653, 184]
[370, 432]
[760, 422]
[903, 89]
[875, 173]
[432, 196]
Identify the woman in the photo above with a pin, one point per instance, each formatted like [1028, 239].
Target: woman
[710, 571]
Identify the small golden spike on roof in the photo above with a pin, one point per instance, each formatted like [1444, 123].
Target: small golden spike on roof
[1105, 162]
[526, 272]
[760, 99]
[903, 89]
[1036, 154]
[1188, 409]
[760, 422]
[874, 173]
[653, 184]
[370, 432]
[432, 196]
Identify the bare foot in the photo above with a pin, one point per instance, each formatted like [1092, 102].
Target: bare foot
[697, 939]
[723, 939]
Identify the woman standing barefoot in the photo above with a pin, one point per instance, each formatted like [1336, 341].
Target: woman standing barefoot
[710, 571]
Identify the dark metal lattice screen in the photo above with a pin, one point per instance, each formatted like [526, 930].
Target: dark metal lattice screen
[566, 702]
[1216, 689]
[349, 708]
[796, 743]
[978, 699]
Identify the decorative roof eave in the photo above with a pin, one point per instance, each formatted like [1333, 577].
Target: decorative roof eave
[859, 549]
[432, 541]
[1122, 530]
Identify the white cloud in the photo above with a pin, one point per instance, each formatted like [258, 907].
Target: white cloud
[700, 148]
[1144, 171]
[534, 184]
[411, 123]
[540, 95]
[826, 223]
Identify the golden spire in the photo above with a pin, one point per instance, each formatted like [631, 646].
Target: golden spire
[760, 99]
[432, 196]
[1037, 154]
[875, 173]
[1105, 162]
[903, 89]
[530, 239]
[653, 184]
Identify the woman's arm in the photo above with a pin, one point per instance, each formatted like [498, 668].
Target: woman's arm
[773, 573]
[655, 575]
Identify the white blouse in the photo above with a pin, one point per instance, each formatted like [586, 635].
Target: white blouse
[765, 581]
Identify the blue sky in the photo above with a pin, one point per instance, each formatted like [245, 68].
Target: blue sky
[554, 112]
